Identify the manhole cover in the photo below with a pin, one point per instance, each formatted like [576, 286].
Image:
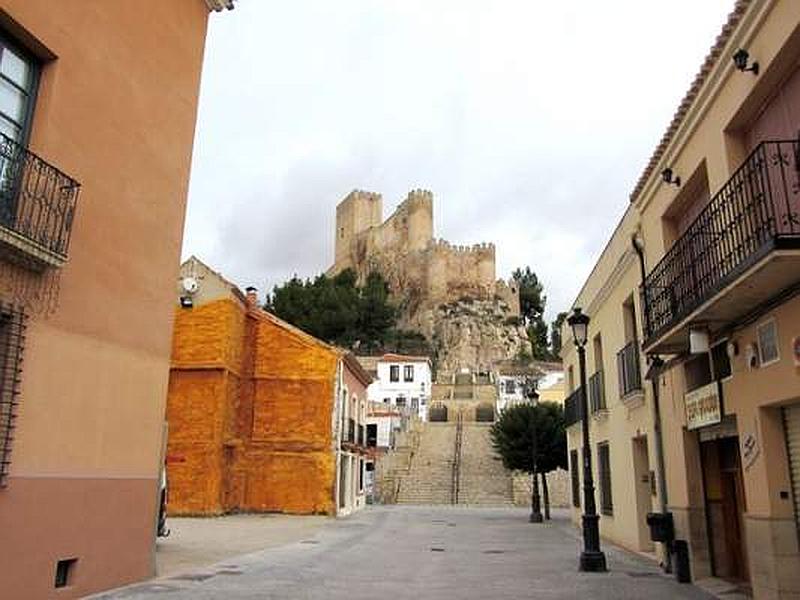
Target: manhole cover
[494, 551]
[437, 549]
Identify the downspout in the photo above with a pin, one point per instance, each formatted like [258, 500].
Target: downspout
[654, 375]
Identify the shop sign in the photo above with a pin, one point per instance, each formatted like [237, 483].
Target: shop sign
[703, 406]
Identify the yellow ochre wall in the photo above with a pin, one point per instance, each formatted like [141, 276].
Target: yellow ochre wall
[250, 412]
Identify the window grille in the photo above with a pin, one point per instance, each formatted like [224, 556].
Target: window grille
[604, 468]
[574, 468]
[12, 341]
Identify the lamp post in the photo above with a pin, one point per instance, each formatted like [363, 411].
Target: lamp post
[592, 558]
[536, 504]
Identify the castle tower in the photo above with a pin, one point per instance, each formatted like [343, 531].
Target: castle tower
[419, 205]
[355, 214]
[486, 266]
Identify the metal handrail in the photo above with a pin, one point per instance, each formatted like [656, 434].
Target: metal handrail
[629, 369]
[758, 205]
[597, 393]
[37, 200]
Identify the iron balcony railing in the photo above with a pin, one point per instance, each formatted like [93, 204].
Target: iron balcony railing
[628, 368]
[37, 200]
[597, 393]
[747, 218]
[572, 408]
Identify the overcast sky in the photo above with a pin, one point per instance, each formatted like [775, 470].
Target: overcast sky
[530, 121]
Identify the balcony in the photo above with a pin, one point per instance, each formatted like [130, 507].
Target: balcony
[572, 408]
[597, 393]
[37, 206]
[741, 251]
[628, 367]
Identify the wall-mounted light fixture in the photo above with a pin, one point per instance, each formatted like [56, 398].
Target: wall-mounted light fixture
[669, 177]
[740, 59]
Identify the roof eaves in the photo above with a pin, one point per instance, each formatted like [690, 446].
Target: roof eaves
[700, 79]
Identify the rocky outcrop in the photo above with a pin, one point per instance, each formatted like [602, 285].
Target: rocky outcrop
[470, 333]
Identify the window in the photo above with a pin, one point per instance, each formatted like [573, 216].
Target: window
[64, 569]
[387, 400]
[394, 373]
[408, 373]
[574, 471]
[604, 474]
[511, 386]
[12, 338]
[361, 475]
[720, 360]
[702, 369]
[400, 401]
[19, 76]
[768, 343]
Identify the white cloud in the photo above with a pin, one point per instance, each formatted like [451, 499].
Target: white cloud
[530, 121]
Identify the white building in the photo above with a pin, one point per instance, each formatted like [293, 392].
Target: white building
[511, 381]
[401, 381]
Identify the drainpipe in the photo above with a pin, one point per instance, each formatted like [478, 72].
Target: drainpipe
[654, 375]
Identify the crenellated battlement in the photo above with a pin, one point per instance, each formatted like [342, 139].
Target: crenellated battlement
[403, 249]
[485, 249]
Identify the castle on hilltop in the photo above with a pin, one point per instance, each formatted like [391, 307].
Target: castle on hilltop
[421, 271]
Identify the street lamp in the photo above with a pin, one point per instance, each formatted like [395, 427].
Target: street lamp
[536, 504]
[592, 558]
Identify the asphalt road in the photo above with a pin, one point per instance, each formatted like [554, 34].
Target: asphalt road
[401, 552]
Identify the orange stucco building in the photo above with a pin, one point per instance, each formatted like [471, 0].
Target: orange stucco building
[98, 97]
[262, 416]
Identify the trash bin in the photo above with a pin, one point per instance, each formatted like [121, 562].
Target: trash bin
[662, 528]
[683, 571]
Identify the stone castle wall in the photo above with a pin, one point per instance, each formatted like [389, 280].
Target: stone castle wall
[423, 271]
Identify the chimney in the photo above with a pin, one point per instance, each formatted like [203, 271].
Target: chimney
[252, 296]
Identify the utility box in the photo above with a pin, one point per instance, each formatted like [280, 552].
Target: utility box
[662, 528]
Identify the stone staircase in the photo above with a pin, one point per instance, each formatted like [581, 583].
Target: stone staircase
[429, 479]
[483, 478]
[443, 471]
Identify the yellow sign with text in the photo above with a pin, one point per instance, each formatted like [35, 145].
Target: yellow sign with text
[703, 406]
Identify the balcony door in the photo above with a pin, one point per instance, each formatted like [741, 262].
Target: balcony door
[780, 121]
[18, 79]
[780, 117]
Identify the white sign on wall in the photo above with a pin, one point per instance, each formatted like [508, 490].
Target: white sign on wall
[703, 406]
[750, 449]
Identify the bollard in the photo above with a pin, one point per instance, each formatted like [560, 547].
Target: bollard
[683, 571]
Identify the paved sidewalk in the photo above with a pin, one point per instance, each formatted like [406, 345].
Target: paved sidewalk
[421, 553]
[200, 542]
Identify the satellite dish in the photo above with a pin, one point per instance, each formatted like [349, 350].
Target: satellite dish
[190, 285]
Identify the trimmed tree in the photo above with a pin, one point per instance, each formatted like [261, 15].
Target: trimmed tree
[522, 428]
